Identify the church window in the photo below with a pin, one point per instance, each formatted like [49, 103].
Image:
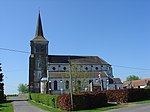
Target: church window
[67, 84]
[55, 85]
[86, 68]
[64, 68]
[50, 85]
[90, 81]
[79, 85]
[96, 68]
[54, 68]
[58, 65]
[91, 65]
[101, 65]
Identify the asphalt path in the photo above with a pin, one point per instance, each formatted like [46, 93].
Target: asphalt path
[134, 108]
[21, 105]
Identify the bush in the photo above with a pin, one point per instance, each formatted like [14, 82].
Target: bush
[127, 95]
[64, 102]
[47, 99]
[81, 101]
[138, 94]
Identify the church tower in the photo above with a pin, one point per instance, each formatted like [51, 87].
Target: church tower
[38, 58]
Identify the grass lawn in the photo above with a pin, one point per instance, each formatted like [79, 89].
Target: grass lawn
[141, 102]
[92, 110]
[44, 107]
[48, 108]
[6, 107]
[102, 109]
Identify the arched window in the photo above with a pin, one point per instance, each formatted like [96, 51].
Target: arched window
[90, 81]
[67, 84]
[55, 85]
[79, 85]
[50, 87]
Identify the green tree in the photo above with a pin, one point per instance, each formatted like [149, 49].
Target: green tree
[79, 78]
[23, 88]
[132, 77]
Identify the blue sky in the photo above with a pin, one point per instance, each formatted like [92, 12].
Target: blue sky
[116, 30]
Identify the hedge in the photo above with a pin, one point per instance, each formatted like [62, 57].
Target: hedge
[127, 95]
[90, 100]
[81, 101]
[47, 99]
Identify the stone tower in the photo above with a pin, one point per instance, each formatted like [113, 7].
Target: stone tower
[38, 58]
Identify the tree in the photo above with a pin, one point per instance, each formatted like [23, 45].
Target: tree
[79, 78]
[23, 88]
[132, 77]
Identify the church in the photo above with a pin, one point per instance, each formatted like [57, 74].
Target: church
[58, 74]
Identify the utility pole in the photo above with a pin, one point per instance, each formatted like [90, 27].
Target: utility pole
[70, 74]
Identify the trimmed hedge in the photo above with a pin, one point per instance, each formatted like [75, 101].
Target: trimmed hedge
[127, 95]
[47, 99]
[90, 100]
[81, 101]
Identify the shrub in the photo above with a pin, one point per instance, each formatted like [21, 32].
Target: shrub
[47, 99]
[64, 102]
[127, 95]
[81, 101]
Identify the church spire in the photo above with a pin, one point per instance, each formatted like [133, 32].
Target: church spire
[39, 30]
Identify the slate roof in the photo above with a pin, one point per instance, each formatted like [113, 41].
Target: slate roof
[76, 59]
[117, 81]
[39, 31]
[80, 75]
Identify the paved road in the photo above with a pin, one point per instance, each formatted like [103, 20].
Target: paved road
[21, 105]
[135, 108]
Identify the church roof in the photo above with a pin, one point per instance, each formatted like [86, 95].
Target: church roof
[80, 75]
[76, 59]
[39, 36]
[117, 81]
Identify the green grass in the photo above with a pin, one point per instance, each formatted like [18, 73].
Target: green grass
[141, 102]
[103, 109]
[48, 108]
[44, 107]
[6, 107]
